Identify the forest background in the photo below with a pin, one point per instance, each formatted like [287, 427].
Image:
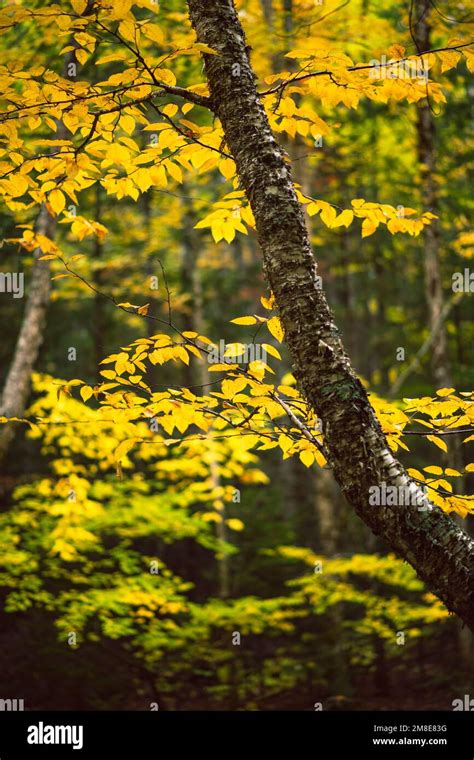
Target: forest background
[171, 534]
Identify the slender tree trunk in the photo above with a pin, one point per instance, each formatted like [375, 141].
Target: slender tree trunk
[98, 327]
[17, 384]
[191, 277]
[438, 549]
[429, 193]
[267, 8]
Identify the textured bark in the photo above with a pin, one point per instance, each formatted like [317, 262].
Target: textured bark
[17, 383]
[427, 157]
[438, 549]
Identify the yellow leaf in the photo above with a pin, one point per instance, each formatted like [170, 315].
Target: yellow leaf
[216, 231]
[128, 124]
[86, 392]
[395, 225]
[322, 461]
[234, 349]
[124, 447]
[368, 227]
[211, 517]
[230, 388]
[221, 367]
[449, 59]
[18, 185]
[170, 110]
[445, 392]
[328, 215]
[158, 175]
[235, 524]
[118, 154]
[271, 350]
[313, 208]
[227, 168]
[153, 32]
[142, 179]
[33, 122]
[179, 352]
[438, 442]
[244, 321]
[79, 6]
[267, 303]
[175, 171]
[275, 327]
[307, 457]
[344, 219]
[415, 473]
[121, 8]
[469, 60]
[396, 51]
[82, 56]
[285, 442]
[203, 48]
[57, 201]
[257, 369]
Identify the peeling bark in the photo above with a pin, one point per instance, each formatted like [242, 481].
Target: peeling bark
[441, 553]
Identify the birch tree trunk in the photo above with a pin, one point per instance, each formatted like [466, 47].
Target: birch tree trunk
[17, 383]
[441, 553]
[16, 388]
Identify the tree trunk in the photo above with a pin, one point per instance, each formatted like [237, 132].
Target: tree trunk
[17, 383]
[191, 278]
[427, 158]
[438, 549]
[99, 323]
